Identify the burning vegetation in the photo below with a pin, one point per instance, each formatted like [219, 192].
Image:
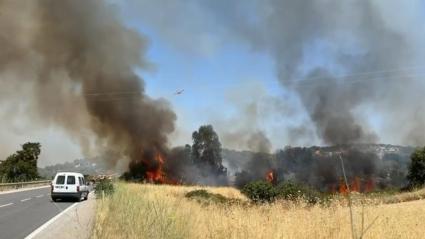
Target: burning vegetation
[271, 176]
[157, 174]
[355, 185]
[75, 62]
[78, 61]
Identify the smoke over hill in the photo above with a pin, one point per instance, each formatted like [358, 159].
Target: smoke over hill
[373, 165]
[354, 68]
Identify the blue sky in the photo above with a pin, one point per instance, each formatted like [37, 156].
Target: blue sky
[206, 77]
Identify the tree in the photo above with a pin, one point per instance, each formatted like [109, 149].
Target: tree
[22, 165]
[206, 150]
[416, 174]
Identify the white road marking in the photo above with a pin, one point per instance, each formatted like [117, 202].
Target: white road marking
[26, 199]
[5, 205]
[39, 196]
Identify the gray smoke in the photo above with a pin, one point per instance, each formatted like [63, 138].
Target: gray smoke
[331, 100]
[354, 65]
[70, 64]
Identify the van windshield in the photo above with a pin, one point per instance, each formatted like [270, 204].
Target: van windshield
[60, 180]
[70, 180]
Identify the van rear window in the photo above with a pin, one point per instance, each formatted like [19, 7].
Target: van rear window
[70, 180]
[60, 180]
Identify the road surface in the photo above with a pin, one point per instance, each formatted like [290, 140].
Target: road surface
[23, 212]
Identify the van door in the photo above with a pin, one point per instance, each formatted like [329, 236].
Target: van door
[71, 183]
[59, 184]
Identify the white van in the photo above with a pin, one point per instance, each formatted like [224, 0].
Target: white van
[69, 185]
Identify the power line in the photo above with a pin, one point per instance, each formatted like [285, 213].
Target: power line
[343, 76]
[301, 83]
[307, 83]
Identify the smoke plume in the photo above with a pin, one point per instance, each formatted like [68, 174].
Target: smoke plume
[70, 64]
[356, 68]
[353, 65]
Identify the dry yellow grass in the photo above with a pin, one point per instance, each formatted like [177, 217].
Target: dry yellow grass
[152, 211]
[405, 197]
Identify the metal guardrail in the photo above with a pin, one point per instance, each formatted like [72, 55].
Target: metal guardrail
[9, 186]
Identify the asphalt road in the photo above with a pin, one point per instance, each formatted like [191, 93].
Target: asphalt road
[23, 212]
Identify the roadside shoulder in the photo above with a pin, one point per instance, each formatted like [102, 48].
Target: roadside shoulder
[75, 222]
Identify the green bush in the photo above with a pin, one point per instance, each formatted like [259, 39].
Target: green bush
[205, 197]
[416, 174]
[260, 191]
[104, 187]
[294, 192]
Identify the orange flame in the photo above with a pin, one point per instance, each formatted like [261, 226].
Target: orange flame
[271, 177]
[342, 187]
[157, 175]
[356, 185]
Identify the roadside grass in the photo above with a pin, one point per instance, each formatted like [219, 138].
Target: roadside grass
[161, 211]
[404, 197]
[138, 212]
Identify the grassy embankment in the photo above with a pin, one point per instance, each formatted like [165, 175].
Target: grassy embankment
[160, 211]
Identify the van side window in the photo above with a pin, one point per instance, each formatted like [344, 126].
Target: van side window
[80, 179]
[60, 179]
[70, 180]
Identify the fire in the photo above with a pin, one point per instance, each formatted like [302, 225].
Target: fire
[356, 185]
[342, 189]
[271, 177]
[157, 175]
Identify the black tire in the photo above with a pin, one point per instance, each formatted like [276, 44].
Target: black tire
[54, 199]
[87, 196]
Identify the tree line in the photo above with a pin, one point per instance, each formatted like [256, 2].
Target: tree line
[22, 165]
[205, 153]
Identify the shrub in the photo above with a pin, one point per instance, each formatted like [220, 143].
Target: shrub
[104, 187]
[416, 174]
[293, 191]
[260, 191]
[203, 196]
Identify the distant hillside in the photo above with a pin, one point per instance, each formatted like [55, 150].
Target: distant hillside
[384, 165]
[79, 165]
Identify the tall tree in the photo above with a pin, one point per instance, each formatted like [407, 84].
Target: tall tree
[206, 150]
[416, 174]
[22, 165]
